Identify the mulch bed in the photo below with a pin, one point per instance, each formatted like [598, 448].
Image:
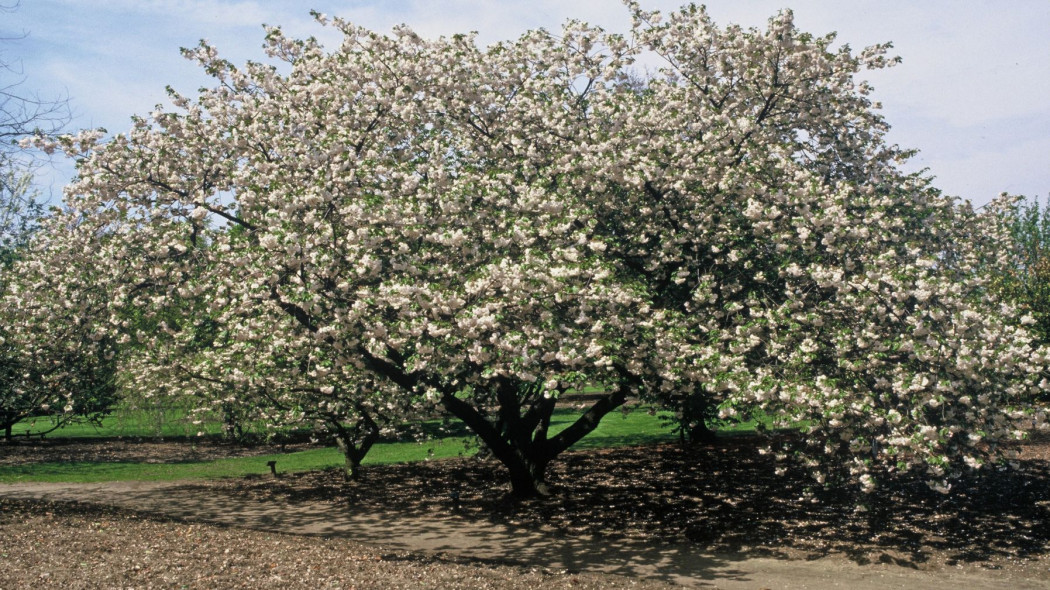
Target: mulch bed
[21, 451]
[76, 546]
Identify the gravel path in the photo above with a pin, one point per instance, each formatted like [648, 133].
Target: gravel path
[455, 536]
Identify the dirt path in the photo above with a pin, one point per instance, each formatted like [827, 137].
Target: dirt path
[451, 534]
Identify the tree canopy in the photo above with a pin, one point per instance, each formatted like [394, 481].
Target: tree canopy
[401, 224]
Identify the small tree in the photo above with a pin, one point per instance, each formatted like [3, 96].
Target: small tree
[46, 367]
[57, 363]
[22, 115]
[1026, 280]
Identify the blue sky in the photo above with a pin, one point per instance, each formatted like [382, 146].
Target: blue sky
[973, 92]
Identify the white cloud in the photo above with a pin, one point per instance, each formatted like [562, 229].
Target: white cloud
[211, 13]
[971, 93]
[981, 174]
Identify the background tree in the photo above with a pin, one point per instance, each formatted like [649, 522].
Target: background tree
[57, 362]
[53, 365]
[1026, 281]
[22, 114]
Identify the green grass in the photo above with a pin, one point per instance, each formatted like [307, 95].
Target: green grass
[126, 422]
[313, 459]
[616, 429]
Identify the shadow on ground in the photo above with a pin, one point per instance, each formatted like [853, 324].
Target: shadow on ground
[660, 512]
[723, 498]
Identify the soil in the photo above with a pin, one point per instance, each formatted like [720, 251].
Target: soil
[640, 517]
[130, 450]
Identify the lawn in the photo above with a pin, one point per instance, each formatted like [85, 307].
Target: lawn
[158, 422]
[616, 429]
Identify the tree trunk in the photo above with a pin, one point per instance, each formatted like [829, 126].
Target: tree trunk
[232, 430]
[528, 478]
[519, 439]
[353, 458]
[354, 442]
[7, 432]
[695, 410]
[701, 433]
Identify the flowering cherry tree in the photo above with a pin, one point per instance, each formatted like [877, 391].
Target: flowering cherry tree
[57, 361]
[42, 360]
[403, 223]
